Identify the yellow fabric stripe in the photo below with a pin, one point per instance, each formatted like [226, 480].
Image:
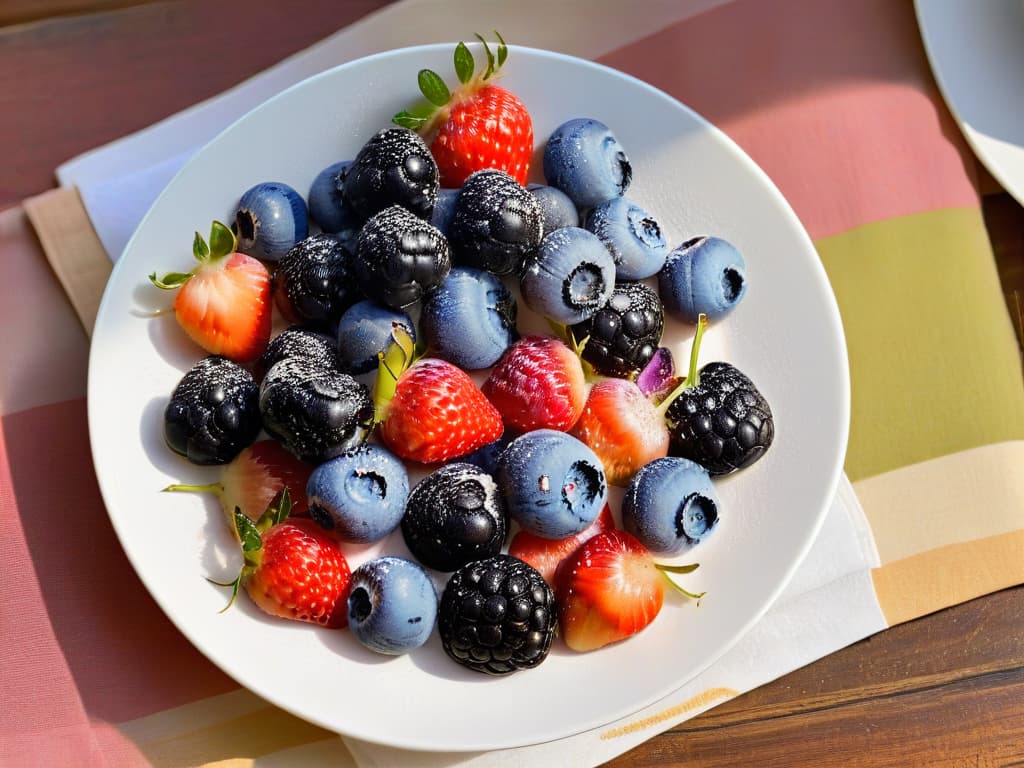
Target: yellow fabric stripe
[934, 364]
[701, 701]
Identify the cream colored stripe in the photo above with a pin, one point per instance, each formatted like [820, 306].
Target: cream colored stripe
[972, 494]
[701, 701]
[192, 716]
[939, 578]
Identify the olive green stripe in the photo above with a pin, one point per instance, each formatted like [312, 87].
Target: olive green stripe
[934, 364]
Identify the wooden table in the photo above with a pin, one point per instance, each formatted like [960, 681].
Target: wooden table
[945, 690]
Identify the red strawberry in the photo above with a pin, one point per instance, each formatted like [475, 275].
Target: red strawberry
[292, 569]
[546, 554]
[481, 125]
[538, 383]
[608, 590]
[254, 477]
[224, 304]
[430, 411]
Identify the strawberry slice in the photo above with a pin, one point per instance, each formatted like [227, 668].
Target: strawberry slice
[608, 590]
[224, 303]
[545, 555]
[481, 125]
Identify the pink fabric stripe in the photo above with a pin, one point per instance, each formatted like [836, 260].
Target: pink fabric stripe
[837, 104]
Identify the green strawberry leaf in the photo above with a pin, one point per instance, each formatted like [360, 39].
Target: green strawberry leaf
[678, 568]
[464, 63]
[199, 248]
[394, 361]
[171, 280]
[283, 508]
[248, 533]
[490, 58]
[433, 87]
[502, 49]
[408, 120]
[222, 241]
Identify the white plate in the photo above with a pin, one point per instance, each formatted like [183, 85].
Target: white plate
[976, 51]
[786, 335]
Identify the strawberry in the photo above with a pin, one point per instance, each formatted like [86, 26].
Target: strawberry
[224, 304]
[253, 478]
[538, 383]
[607, 590]
[429, 410]
[292, 568]
[481, 125]
[546, 555]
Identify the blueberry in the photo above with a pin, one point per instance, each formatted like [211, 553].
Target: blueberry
[632, 236]
[270, 219]
[360, 494]
[392, 605]
[556, 209]
[364, 331]
[670, 505]
[327, 206]
[314, 282]
[444, 208]
[554, 484]
[486, 457]
[570, 277]
[705, 275]
[394, 167]
[470, 320]
[585, 160]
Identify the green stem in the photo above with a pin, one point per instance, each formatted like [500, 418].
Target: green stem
[217, 488]
[667, 569]
[693, 374]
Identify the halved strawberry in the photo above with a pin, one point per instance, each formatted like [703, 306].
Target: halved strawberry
[481, 125]
[224, 304]
[545, 555]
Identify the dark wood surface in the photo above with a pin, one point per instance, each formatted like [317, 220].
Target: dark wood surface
[944, 690]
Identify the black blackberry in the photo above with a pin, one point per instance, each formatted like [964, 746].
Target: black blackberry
[497, 616]
[400, 257]
[496, 223]
[314, 282]
[297, 341]
[315, 412]
[394, 167]
[213, 412]
[625, 332]
[453, 516]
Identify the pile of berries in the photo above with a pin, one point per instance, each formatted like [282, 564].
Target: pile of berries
[400, 271]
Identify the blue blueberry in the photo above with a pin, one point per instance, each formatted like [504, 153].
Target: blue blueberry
[556, 209]
[585, 160]
[570, 277]
[670, 505]
[271, 218]
[470, 320]
[554, 484]
[486, 457]
[328, 208]
[392, 605]
[704, 275]
[444, 208]
[632, 236]
[364, 331]
[360, 494]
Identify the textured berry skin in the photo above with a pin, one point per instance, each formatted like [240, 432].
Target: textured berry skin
[670, 505]
[314, 282]
[297, 341]
[470, 320]
[394, 167]
[213, 412]
[623, 335]
[364, 331]
[497, 616]
[254, 477]
[569, 277]
[302, 575]
[585, 160]
[705, 275]
[632, 235]
[316, 413]
[546, 555]
[488, 128]
[496, 223]
[724, 423]
[327, 206]
[437, 414]
[556, 209]
[400, 258]
[271, 218]
[538, 383]
[553, 484]
[455, 515]
[392, 605]
[360, 494]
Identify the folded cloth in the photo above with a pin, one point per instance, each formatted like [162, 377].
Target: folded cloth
[835, 101]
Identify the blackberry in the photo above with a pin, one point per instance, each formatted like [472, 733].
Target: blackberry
[314, 282]
[394, 167]
[625, 332]
[400, 258]
[453, 516]
[497, 616]
[496, 223]
[213, 412]
[297, 341]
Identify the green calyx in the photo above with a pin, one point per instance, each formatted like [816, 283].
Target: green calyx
[680, 569]
[399, 356]
[564, 332]
[222, 243]
[693, 374]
